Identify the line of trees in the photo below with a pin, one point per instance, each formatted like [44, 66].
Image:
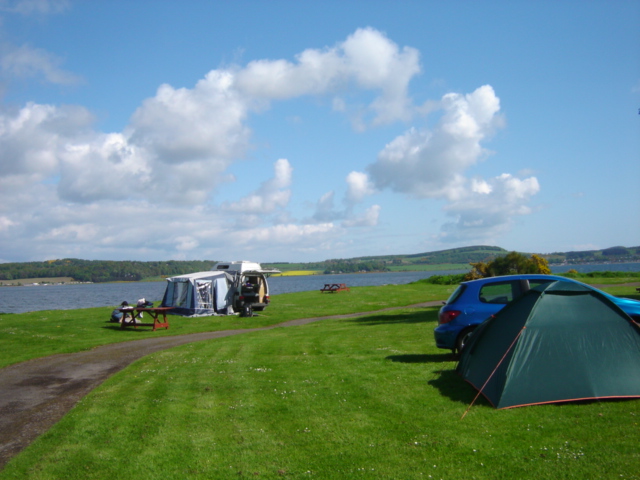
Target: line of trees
[100, 270]
[351, 266]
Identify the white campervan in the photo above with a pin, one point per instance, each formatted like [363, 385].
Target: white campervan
[250, 287]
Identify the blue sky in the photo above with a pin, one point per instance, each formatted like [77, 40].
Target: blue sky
[302, 131]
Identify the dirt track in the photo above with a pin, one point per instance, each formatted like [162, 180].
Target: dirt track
[35, 394]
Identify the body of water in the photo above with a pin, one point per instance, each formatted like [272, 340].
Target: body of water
[66, 297]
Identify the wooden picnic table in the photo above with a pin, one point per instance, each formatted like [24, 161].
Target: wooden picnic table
[334, 287]
[154, 312]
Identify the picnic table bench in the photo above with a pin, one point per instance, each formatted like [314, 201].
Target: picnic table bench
[154, 312]
[334, 287]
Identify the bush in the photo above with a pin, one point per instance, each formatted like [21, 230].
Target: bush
[454, 279]
[511, 264]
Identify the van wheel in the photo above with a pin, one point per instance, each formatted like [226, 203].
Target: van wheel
[463, 338]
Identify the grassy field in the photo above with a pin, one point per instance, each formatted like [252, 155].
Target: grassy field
[367, 397]
[37, 334]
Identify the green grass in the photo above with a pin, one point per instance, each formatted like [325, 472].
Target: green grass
[36, 334]
[369, 397]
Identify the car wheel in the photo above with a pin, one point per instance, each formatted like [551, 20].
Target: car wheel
[463, 338]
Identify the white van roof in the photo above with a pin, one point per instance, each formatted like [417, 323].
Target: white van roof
[243, 266]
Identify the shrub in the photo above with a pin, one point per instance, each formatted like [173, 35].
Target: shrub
[444, 279]
[511, 264]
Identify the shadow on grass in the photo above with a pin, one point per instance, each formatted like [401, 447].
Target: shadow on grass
[116, 326]
[452, 386]
[422, 358]
[420, 316]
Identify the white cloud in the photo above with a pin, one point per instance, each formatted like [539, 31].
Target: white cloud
[184, 125]
[325, 209]
[147, 192]
[272, 194]
[359, 186]
[26, 62]
[30, 7]
[480, 186]
[106, 167]
[366, 58]
[186, 243]
[6, 223]
[32, 138]
[368, 219]
[488, 211]
[430, 164]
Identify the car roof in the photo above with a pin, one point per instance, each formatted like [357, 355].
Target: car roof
[523, 276]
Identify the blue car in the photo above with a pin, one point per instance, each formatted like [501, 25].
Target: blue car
[476, 300]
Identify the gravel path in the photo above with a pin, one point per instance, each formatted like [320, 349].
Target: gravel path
[37, 393]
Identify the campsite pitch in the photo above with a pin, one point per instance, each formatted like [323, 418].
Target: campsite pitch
[365, 397]
[361, 397]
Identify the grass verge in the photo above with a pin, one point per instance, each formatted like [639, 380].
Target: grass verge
[370, 397]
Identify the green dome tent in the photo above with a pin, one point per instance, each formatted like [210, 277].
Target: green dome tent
[559, 342]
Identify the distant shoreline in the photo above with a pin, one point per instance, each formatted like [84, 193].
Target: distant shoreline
[43, 281]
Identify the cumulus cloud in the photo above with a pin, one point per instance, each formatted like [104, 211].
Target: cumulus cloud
[368, 219]
[101, 169]
[430, 164]
[272, 194]
[359, 186]
[202, 123]
[180, 143]
[19, 62]
[66, 188]
[366, 58]
[32, 138]
[488, 208]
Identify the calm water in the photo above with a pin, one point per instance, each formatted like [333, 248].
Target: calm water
[66, 297]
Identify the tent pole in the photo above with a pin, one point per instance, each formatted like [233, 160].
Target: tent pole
[494, 371]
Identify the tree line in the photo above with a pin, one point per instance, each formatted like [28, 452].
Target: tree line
[101, 270]
[352, 266]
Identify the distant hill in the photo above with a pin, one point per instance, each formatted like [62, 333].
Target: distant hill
[478, 253]
[607, 255]
[98, 270]
[113, 271]
[457, 257]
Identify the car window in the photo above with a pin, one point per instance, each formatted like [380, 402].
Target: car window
[456, 294]
[537, 283]
[503, 292]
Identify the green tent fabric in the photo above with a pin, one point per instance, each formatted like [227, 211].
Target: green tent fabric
[559, 342]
